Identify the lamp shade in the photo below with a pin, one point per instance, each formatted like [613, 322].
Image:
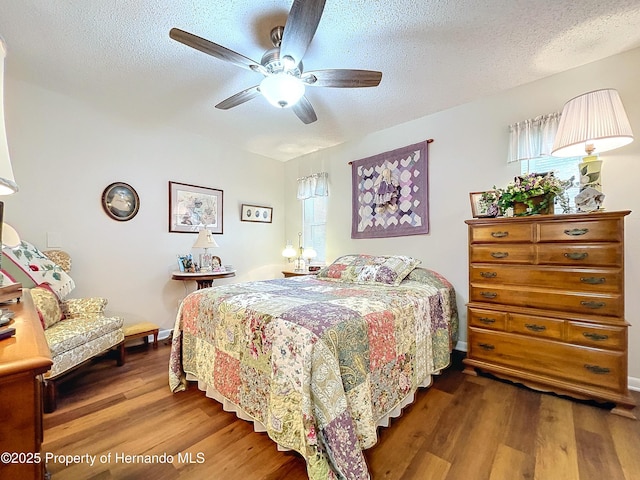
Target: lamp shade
[7, 181]
[205, 240]
[309, 253]
[594, 121]
[289, 251]
[282, 90]
[10, 237]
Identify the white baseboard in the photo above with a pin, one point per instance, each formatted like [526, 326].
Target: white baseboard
[164, 334]
[633, 382]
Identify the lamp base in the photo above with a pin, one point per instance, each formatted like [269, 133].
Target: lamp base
[299, 265]
[590, 173]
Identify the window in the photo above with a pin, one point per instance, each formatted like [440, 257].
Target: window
[314, 224]
[563, 168]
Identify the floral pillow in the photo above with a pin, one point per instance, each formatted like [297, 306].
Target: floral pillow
[47, 305]
[29, 266]
[369, 269]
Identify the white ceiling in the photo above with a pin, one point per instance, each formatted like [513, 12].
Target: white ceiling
[434, 54]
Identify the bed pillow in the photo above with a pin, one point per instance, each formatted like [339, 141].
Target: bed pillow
[29, 266]
[47, 306]
[369, 269]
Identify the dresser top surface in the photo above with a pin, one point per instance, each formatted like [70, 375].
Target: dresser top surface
[600, 215]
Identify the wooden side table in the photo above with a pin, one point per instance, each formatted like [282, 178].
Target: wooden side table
[203, 279]
[291, 273]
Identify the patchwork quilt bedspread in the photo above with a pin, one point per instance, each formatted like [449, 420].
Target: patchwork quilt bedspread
[317, 362]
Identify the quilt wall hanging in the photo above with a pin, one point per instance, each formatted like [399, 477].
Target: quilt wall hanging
[390, 196]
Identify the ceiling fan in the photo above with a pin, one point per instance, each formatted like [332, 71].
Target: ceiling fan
[285, 80]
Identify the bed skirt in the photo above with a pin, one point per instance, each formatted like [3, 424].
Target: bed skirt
[258, 426]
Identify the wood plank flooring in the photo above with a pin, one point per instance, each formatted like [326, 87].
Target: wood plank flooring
[462, 428]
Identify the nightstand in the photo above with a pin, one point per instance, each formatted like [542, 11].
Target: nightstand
[203, 279]
[291, 273]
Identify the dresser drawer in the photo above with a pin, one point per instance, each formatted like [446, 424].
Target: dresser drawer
[486, 319]
[577, 364]
[502, 254]
[576, 279]
[597, 335]
[604, 254]
[605, 230]
[501, 233]
[540, 298]
[535, 326]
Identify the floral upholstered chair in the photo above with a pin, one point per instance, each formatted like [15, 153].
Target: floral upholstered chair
[76, 329]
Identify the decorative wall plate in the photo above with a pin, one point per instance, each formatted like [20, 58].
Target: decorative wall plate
[120, 201]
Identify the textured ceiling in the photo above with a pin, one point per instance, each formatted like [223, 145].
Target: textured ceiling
[434, 54]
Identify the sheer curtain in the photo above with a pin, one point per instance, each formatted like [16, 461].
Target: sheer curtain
[316, 185]
[532, 138]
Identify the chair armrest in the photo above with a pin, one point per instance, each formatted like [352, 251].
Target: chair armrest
[83, 307]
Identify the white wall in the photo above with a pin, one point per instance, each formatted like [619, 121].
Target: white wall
[64, 154]
[469, 154]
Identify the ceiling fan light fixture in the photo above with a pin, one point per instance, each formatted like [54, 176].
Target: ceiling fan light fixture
[282, 90]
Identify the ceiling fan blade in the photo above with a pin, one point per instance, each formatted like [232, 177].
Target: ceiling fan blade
[342, 78]
[300, 28]
[214, 50]
[304, 111]
[238, 98]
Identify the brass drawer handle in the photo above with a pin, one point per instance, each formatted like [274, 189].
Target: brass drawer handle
[576, 232]
[535, 328]
[595, 336]
[499, 234]
[488, 274]
[593, 280]
[597, 369]
[499, 254]
[489, 294]
[576, 255]
[486, 346]
[592, 304]
[487, 321]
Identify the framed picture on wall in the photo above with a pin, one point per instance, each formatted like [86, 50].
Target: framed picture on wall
[255, 213]
[192, 208]
[120, 201]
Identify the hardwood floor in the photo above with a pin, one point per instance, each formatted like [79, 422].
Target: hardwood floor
[462, 428]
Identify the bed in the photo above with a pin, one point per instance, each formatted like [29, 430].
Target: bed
[319, 362]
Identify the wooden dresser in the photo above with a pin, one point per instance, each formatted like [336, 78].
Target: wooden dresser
[23, 359]
[546, 304]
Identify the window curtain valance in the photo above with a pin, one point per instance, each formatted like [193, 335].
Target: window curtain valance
[316, 185]
[533, 138]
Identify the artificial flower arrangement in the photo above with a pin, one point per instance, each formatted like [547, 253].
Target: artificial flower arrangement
[528, 194]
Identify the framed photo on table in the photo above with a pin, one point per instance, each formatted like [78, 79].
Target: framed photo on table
[192, 208]
[255, 213]
[483, 204]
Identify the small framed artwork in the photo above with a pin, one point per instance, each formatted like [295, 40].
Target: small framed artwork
[120, 201]
[483, 204]
[192, 208]
[254, 213]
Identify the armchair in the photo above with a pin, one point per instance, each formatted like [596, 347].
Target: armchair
[77, 330]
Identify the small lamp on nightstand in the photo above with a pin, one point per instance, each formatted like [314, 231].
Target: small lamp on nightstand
[205, 240]
[300, 255]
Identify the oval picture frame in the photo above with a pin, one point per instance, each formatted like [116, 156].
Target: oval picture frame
[120, 201]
